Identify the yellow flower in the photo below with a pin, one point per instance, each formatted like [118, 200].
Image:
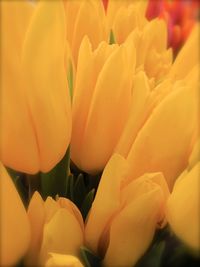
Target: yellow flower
[15, 228]
[101, 102]
[60, 260]
[123, 16]
[163, 123]
[84, 18]
[127, 21]
[35, 111]
[56, 227]
[124, 214]
[183, 205]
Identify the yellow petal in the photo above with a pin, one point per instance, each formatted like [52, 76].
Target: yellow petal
[107, 200]
[152, 50]
[70, 206]
[120, 9]
[133, 227]
[164, 141]
[62, 234]
[18, 143]
[188, 57]
[60, 260]
[46, 82]
[126, 20]
[97, 148]
[16, 16]
[183, 208]
[51, 207]
[143, 184]
[82, 96]
[36, 216]
[71, 10]
[15, 228]
[88, 68]
[92, 26]
[141, 91]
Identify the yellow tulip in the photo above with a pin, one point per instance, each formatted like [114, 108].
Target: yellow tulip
[101, 102]
[61, 260]
[183, 205]
[127, 21]
[35, 111]
[123, 16]
[56, 227]
[124, 214]
[163, 124]
[84, 18]
[15, 228]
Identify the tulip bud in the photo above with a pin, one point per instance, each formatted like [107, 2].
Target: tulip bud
[124, 214]
[56, 226]
[35, 111]
[100, 98]
[15, 228]
[155, 147]
[127, 20]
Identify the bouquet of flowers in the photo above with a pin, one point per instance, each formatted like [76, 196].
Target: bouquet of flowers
[99, 133]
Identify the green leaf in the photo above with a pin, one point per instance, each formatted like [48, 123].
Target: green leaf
[89, 258]
[87, 203]
[54, 182]
[112, 38]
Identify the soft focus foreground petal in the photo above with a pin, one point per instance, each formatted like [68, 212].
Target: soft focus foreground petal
[15, 228]
[132, 230]
[36, 215]
[164, 141]
[188, 57]
[183, 208]
[18, 144]
[46, 82]
[61, 260]
[62, 234]
[108, 96]
[107, 200]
